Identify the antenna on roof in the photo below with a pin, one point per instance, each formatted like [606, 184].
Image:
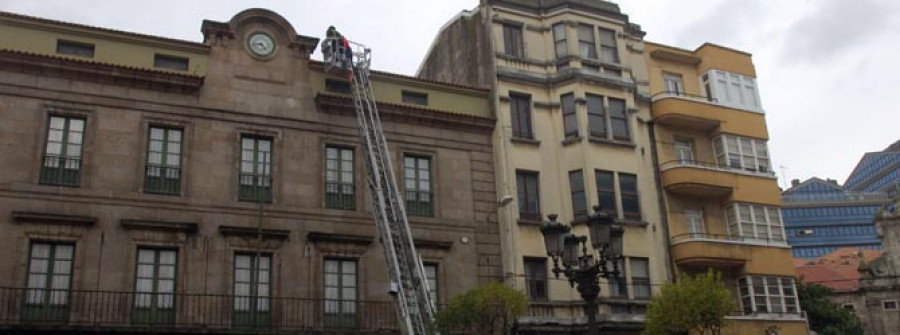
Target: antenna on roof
[783, 178]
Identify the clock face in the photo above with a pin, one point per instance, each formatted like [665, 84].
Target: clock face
[261, 44]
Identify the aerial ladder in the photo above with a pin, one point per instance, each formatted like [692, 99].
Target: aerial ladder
[408, 286]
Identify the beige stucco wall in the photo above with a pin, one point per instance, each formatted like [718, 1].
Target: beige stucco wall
[34, 36]
[553, 159]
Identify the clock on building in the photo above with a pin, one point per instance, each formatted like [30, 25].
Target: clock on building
[261, 44]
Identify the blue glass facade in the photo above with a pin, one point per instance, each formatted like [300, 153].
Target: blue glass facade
[821, 216]
[877, 172]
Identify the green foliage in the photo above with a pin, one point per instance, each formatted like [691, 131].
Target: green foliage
[825, 316]
[490, 308]
[697, 303]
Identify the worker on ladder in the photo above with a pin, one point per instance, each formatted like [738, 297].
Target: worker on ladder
[336, 51]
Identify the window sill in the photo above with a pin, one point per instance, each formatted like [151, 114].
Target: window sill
[633, 223]
[621, 144]
[523, 140]
[529, 223]
[572, 140]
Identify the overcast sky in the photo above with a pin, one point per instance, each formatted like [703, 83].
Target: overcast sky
[828, 70]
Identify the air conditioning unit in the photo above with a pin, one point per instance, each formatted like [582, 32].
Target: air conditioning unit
[804, 232]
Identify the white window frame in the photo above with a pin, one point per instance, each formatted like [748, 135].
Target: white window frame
[722, 85]
[774, 233]
[753, 159]
[684, 145]
[674, 83]
[896, 305]
[696, 227]
[783, 282]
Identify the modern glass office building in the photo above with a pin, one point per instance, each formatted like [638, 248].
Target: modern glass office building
[821, 216]
[877, 172]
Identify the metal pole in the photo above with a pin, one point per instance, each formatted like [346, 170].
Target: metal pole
[259, 242]
[590, 307]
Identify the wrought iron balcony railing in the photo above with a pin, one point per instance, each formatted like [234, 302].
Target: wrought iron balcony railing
[61, 170]
[160, 179]
[22, 308]
[773, 241]
[759, 171]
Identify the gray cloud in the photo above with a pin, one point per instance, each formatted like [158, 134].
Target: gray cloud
[835, 27]
[725, 23]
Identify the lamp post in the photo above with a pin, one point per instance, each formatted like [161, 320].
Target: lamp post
[579, 266]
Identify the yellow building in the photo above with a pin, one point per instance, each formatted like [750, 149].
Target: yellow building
[569, 89]
[722, 201]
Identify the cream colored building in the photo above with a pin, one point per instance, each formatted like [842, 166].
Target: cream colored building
[572, 105]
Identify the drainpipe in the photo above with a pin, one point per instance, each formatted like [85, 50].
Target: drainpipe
[660, 196]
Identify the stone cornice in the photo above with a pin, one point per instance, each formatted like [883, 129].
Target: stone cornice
[185, 227]
[50, 218]
[253, 232]
[329, 103]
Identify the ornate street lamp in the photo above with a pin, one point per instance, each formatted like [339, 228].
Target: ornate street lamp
[580, 267]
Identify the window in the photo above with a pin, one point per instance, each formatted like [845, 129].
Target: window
[694, 220]
[618, 288]
[890, 305]
[599, 121]
[586, 46]
[560, 40]
[732, 89]
[536, 278]
[608, 50]
[256, 169]
[528, 191]
[673, 83]
[607, 194]
[848, 306]
[62, 155]
[759, 294]
[512, 41]
[570, 120]
[596, 116]
[339, 185]
[684, 150]
[154, 286]
[618, 120]
[418, 185]
[755, 222]
[631, 205]
[414, 98]
[606, 191]
[163, 173]
[640, 277]
[579, 201]
[73, 48]
[741, 153]
[431, 275]
[170, 62]
[340, 293]
[49, 280]
[252, 289]
[338, 86]
[520, 111]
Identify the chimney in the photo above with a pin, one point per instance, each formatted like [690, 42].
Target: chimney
[832, 181]
[795, 182]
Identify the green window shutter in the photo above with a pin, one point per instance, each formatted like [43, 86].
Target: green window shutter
[62, 152]
[163, 171]
[255, 178]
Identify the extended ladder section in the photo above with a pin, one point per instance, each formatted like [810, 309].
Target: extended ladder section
[408, 282]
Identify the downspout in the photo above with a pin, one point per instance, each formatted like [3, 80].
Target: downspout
[660, 196]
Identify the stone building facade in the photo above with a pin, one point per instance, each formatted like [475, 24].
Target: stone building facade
[879, 283]
[148, 183]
